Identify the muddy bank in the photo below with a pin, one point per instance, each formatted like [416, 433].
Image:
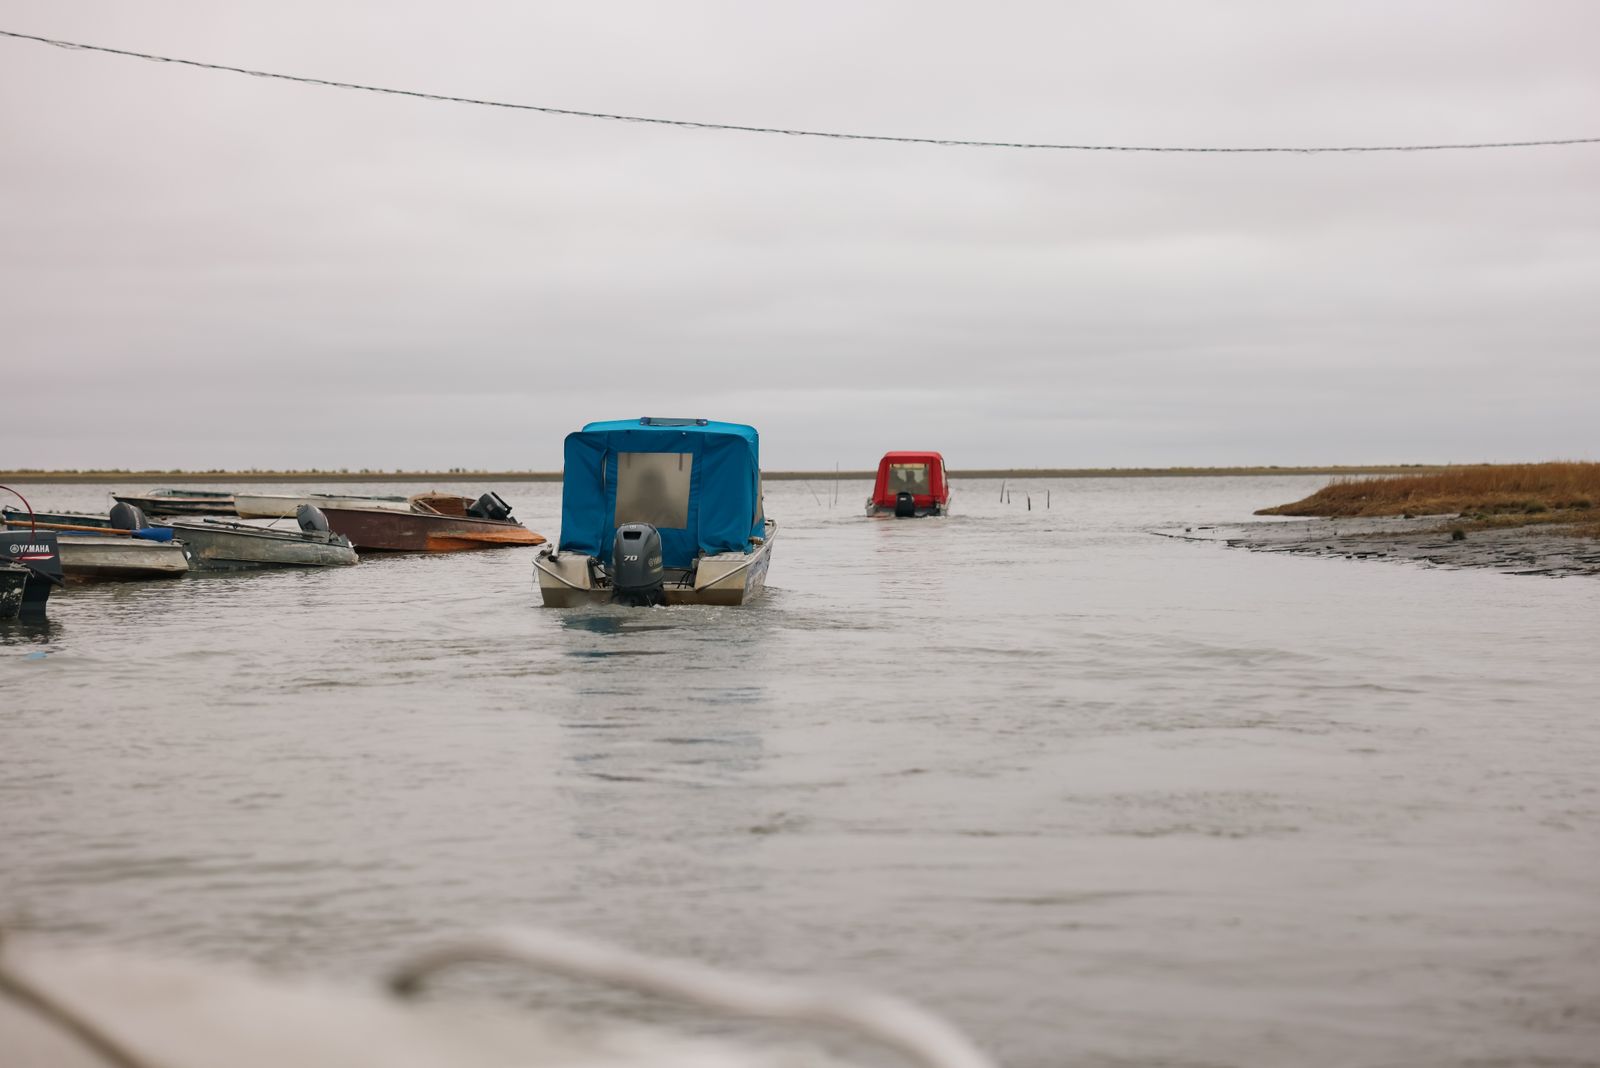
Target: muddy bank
[1426, 540]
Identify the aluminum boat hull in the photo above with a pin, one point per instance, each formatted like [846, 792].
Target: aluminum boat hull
[570, 580]
[938, 508]
[157, 504]
[214, 546]
[95, 557]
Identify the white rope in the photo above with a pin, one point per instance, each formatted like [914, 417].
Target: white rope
[924, 1038]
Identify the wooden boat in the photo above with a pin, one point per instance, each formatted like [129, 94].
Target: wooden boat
[659, 511]
[910, 484]
[180, 502]
[285, 506]
[433, 523]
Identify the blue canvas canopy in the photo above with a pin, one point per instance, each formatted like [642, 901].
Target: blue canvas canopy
[697, 481]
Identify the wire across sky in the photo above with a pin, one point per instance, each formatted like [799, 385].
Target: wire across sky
[833, 135]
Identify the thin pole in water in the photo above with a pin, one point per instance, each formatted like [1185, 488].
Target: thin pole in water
[835, 483]
[1002, 491]
[1030, 501]
[814, 494]
[1047, 498]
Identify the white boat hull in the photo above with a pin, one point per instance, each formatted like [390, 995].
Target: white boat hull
[569, 580]
[75, 1008]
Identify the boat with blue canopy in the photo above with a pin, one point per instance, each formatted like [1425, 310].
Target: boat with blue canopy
[659, 511]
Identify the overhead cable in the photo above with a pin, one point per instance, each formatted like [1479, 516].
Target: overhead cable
[737, 128]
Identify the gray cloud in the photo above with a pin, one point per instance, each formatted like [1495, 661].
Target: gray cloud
[206, 269]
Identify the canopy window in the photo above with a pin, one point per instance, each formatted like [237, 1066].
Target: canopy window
[908, 478]
[653, 487]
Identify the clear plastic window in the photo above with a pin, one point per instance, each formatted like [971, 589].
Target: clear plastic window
[653, 487]
[909, 478]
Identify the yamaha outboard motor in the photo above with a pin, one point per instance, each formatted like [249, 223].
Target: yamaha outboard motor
[37, 551]
[311, 519]
[489, 506]
[905, 505]
[126, 516]
[636, 574]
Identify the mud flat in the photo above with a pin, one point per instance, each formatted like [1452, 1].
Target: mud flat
[1425, 540]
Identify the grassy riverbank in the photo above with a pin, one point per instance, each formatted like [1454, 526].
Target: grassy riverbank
[133, 478]
[1496, 495]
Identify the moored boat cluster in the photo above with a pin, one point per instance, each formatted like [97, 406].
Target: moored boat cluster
[167, 534]
[653, 511]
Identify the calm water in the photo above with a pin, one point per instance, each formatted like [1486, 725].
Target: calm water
[1103, 798]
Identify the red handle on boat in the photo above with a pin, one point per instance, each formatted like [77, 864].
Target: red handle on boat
[33, 526]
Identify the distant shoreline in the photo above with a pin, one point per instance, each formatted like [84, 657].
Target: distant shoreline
[138, 479]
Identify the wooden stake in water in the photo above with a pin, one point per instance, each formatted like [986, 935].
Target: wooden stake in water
[1030, 502]
[1047, 498]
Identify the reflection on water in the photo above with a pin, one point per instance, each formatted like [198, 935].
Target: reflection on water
[1101, 797]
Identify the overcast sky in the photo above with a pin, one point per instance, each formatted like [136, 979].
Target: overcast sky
[204, 269]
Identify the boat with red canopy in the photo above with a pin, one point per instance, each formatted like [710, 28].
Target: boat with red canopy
[910, 484]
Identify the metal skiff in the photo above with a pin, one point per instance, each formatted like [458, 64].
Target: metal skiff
[108, 556]
[218, 545]
[179, 502]
[568, 580]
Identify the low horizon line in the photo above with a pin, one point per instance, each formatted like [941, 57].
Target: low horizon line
[108, 475]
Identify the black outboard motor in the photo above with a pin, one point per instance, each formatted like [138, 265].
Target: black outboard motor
[126, 516]
[905, 505]
[311, 519]
[636, 574]
[489, 506]
[38, 552]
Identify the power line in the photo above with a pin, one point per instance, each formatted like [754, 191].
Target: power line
[735, 128]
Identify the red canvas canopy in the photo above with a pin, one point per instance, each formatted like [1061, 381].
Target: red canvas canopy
[919, 473]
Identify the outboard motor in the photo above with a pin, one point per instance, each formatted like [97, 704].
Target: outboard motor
[489, 506]
[38, 552]
[126, 516]
[311, 519]
[636, 574]
[905, 505]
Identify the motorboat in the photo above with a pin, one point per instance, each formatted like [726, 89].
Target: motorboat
[286, 506]
[659, 511]
[432, 523]
[120, 546]
[180, 502]
[910, 484]
[218, 545]
[30, 567]
[215, 544]
[116, 554]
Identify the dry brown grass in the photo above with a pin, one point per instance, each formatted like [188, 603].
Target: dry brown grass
[1551, 492]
